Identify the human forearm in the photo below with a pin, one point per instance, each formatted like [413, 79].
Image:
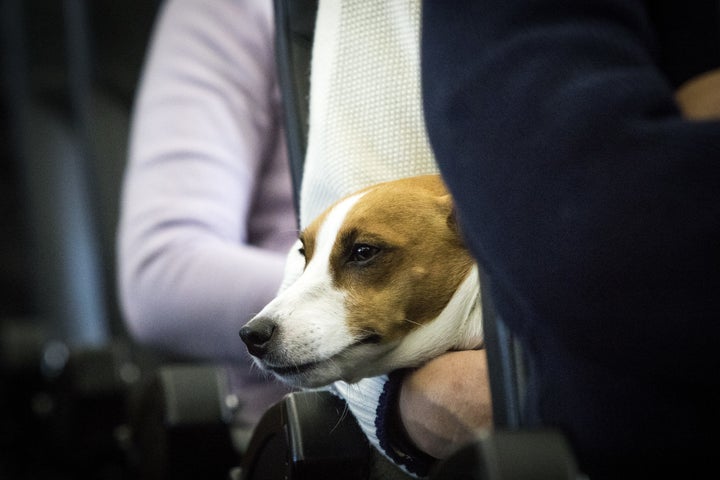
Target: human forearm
[206, 212]
[444, 403]
[193, 300]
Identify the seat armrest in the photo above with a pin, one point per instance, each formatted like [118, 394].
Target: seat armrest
[307, 435]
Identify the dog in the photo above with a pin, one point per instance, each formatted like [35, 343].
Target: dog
[384, 281]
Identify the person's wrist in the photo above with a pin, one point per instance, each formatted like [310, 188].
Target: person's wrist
[391, 433]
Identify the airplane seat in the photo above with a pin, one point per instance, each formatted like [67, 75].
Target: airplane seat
[65, 358]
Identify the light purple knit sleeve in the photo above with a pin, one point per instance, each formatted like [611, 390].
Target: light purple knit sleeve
[206, 212]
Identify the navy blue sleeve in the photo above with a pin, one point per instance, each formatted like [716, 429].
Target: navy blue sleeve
[593, 205]
[595, 209]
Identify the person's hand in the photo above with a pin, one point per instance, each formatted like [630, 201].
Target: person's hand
[699, 97]
[444, 403]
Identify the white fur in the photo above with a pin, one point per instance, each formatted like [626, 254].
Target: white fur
[458, 327]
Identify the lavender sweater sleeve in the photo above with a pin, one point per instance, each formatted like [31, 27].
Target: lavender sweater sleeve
[207, 213]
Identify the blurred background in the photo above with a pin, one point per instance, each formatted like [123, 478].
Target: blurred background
[69, 376]
[78, 399]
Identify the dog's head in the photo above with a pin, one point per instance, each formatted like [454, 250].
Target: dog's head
[378, 268]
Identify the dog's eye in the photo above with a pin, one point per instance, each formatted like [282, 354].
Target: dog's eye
[301, 251]
[361, 253]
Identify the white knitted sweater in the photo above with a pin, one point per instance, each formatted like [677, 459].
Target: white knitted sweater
[366, 121]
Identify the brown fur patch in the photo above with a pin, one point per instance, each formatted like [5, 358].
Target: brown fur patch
[420, 263]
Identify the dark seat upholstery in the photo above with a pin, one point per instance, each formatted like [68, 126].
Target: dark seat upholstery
[66, 360]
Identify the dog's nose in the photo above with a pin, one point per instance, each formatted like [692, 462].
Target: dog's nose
[257, 336]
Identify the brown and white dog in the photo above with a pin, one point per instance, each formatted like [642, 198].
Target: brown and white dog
[386, 282]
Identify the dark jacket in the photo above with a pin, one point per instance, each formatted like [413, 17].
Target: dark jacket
[595, 209]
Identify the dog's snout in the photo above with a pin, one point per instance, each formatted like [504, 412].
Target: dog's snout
[258, 335]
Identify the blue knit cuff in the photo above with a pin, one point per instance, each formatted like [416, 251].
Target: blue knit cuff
[393, 439]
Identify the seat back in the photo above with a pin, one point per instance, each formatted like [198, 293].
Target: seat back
[68, 98]
[294, 32]
[50, 158]
[506, 364]
[67, 138]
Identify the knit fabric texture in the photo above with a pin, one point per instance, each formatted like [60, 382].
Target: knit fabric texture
[366, 121]
[372, 402]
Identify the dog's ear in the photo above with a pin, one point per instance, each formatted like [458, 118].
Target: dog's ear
[448, 208]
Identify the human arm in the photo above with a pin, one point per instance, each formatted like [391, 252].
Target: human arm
[599, 202]
[202, 241]
[446, 402]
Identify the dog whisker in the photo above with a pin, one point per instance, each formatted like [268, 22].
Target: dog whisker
[368, 331]
[255, 368]
[354, 390]
[367, 335]
[342, 417]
